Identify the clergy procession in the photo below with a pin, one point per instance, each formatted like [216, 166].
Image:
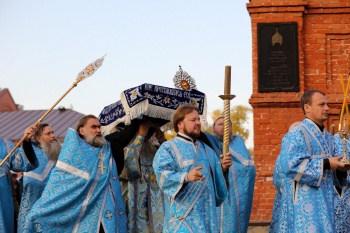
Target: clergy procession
[118, 173]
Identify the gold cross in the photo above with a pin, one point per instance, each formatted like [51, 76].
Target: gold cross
[101, 166]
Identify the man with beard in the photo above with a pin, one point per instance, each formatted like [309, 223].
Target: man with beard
[191, 176]
[22, 159]
[34, 182]
[234, 213]
[83, 192]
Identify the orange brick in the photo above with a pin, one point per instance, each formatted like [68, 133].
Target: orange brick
[323, 44]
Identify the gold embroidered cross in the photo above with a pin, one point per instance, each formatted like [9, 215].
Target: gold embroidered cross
[101, 167]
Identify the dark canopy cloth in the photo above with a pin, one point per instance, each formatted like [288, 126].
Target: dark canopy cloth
[120, 121]
[149, 100]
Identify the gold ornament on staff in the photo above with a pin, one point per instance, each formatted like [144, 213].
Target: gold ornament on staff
[87, 72]
[227, 97]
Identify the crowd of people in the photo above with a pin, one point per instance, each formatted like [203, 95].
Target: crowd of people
[134, 180]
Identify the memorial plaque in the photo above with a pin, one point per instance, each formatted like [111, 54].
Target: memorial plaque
[278, 63]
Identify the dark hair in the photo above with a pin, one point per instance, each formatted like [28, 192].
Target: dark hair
[39, 130]
[82, 122]
[306, 98]
[180, 114]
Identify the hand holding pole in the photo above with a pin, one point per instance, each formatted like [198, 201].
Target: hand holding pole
[88, 71]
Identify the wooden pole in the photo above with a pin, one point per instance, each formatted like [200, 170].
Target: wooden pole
[88, 71]
[227, 97]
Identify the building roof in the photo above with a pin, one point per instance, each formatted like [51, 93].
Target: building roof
[13, 124]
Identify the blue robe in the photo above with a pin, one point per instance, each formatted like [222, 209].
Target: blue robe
[79, 197]
[342, 198]
[17, 162]
[304, 200]
[34, 183]
[143, 198]
[191, 205]
[234, 213]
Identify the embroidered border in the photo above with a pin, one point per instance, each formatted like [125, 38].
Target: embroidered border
[245, 162]
[41, 177]
[73, 170]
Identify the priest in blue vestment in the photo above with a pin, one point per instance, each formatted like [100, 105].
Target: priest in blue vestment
[191, 177]
[144, 201]
[47, 150]
[22, 159]
[234, 213]
[342, 187]
[83, 192]
[303, 174]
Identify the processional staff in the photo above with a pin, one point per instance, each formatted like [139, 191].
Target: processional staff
[87, 72]
[227, 97]
[343, 130]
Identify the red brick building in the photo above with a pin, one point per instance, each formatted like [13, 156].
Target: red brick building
[323, 38]
[7, 103]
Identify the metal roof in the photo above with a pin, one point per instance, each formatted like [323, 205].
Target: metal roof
[13, 124]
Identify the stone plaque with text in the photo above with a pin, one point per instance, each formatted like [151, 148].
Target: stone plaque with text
[278, 68]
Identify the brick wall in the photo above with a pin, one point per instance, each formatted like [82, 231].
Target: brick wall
[324, 53]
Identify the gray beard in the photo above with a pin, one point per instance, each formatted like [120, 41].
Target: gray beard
[95, 141]
[52, 149]
[219, 137]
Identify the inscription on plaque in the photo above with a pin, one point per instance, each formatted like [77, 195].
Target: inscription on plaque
[278, 68]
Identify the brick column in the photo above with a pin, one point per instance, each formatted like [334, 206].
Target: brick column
[324, 53]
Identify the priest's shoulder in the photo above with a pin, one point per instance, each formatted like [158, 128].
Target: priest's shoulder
[5, 141]
[294, 129]
[165, 146]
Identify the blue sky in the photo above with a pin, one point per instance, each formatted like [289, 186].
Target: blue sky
[45, 44]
